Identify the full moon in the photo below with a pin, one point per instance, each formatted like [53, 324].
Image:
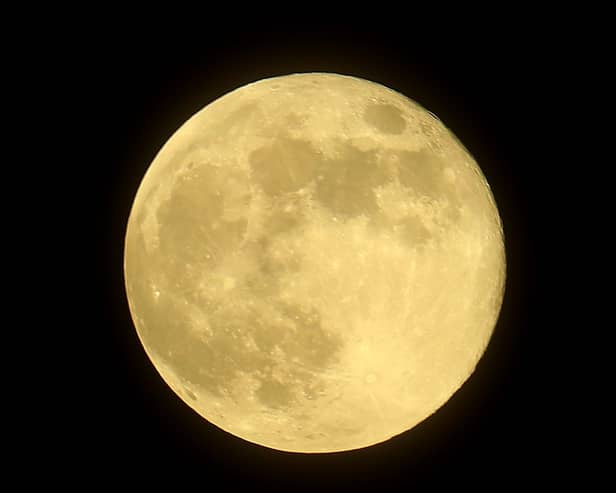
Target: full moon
[314, 263]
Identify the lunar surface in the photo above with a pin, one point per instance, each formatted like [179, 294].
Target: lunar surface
[314, 263]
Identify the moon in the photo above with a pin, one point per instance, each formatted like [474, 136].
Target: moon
[314, 263]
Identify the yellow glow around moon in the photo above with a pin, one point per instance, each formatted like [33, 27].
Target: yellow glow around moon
[314, 263]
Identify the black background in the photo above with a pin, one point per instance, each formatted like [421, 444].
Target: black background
[123, 92]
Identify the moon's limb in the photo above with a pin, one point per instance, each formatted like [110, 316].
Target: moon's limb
[314, 263]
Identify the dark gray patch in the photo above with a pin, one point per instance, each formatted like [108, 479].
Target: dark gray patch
[213, 364]
[299, 334]
[413, 232]
[281, 219]
[274, 394]
[272, 265]
[423, 172]
[190, 394]
[294, 121]
[385, 118]
[265, 280]
[191, 228]
[284, 166]
[346, 185]
[307, 339]
[167, 334]
[236, 120]
[452, 212]
[313, 390]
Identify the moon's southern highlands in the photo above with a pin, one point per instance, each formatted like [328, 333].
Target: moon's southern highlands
[314, 263]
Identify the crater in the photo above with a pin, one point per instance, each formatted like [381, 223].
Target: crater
[385, 118]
